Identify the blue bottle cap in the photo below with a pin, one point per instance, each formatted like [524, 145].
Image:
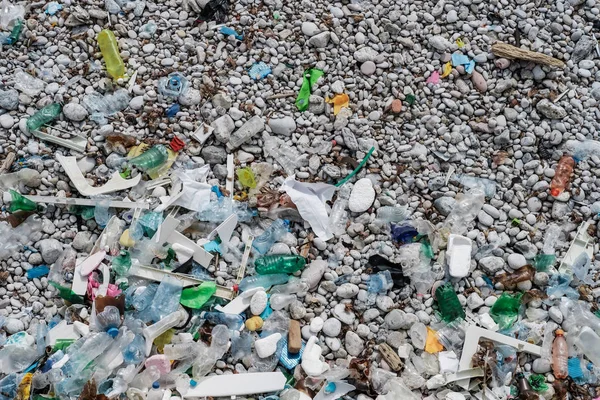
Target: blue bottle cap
[155, 385]
[330, 388]
[113, 332]
[193, 383]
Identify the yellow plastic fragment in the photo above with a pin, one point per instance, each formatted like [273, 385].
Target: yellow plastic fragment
[432, 344]
[460, 43]
[246, 177]
[447, 69]
[24, 389]
[339, 101]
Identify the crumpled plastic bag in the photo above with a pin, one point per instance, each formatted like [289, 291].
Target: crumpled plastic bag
[215, 10]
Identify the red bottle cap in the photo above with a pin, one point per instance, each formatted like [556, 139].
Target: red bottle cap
[177, 144]
[236, 288]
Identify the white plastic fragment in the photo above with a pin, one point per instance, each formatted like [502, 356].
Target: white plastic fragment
[114, 184]
[267, 346]
[311, 358]
[583, 243]
[62, 330]
[240, 303]
[459, 256]
[237, 384]
[75, 201]
[167, 234]
[76, 143]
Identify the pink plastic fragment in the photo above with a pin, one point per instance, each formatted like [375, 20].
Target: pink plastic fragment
[434, 78]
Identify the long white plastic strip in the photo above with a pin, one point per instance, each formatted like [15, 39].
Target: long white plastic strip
[76, 143]
[77, 201]
[238, 384]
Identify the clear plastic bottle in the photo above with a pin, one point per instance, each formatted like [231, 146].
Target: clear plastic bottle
[338, 218]
[562, 175]
[166, 299]
[272, 234]
[232, 321]
[109, 320]
[44, 116]
[280, 301]
[294, 286]
[265, 281]
[81, 356]
[588, 343]
[287, 157]
[110, 52]
[392, 214]
[279, 263]
[156, 393]
[151, 158]
[560, 356]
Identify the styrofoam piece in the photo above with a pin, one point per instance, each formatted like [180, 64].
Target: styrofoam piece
[583, 242]
[459, 256]
[62, 330]
[311, 359]
[240, 303]
[76, 201]
[76, 143]
[114, 184]
[230, 175]
[203, 133]
[472, 337]
[187, 281]
[225, 230]
[91, 263]
[238, 384]
[167, 233]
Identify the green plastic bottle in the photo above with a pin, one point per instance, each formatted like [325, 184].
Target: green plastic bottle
[448, 303]
[42, 117]
[110, 52]
[15, 33]
[20, 203]
[279, 264]
[122, 263]
[151, 158]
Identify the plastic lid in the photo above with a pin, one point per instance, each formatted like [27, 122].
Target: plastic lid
[155, 385]
[113, 332]
[560, 332]
[193, 383]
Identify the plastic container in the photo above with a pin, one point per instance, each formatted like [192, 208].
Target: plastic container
[277, 264]
[110, 52]
[562, 175]
[272, 234]
[560, 356]
[42, 117]
[151, 158]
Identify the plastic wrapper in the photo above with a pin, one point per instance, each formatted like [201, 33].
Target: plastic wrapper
[505, 310]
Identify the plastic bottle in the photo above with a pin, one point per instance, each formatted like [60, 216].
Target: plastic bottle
[488, 186]
[232, 321]
[155, 393]
[19, 203]
[392, 214]
[287, 157]
[172, 85]
[588, 342]
[448, 303]
[278, 264]
[140, 301]
[80, 357]
[110, 52]
[42, 117]
[294, 286]
[267, 239]
[464, 211]
[151, 158]
[510, 280]
[134, 352]
[560, 356]
[379, 283]
[180, 351]
[562, 175]
[166, 299]
[338, 218]
[280, 301]
[265, 281]
[109, 320]
[15, 33]
[122, 263]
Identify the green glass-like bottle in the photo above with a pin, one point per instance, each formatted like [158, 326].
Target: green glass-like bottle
[122, 263]
[448, 303]
[151, 158]
[279, 264]
[15, 33]
[20, 203]
[42, 117]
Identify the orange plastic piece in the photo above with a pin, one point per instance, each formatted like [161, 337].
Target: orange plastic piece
[339, 101]
[432, 344]
[447, 69]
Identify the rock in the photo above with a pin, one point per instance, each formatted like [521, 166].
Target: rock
[474, 301]
[349, 139]
[190, 97]
[362, 196]
[452, 16]
[282, 126]
[222, 100]
[50, 249]
[368, 68]
[396, 106]
[13, 325]
[550, 110]
[398, 319]
[440, 43]
[82, 241]
[223, 127]
[9, 99]
[541, 365]
[332, 327]
[516, 260]
[344, 314]
[365, 54]
[314, 272]
[258, 303]
[502, 63]
[418, 335]
[585, 45]
[7, 121]
[214, 154]
[347, 291]
[320, 41]
[267, 346]
[75, 112]
[254, 324]
[479, 82]
[136, 103]
[491, 265]
[354, 344]
[310, 28]
[444, 205]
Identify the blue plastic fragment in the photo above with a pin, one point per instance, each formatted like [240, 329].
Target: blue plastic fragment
[259, 70]
[227, 31]
[38, 272]
[173, 110]
[288, 360]
[575, 371]
[470, 67]
[53, 8]
[212, 247]
[459, 59]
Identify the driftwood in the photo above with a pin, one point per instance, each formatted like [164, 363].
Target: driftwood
[509, 51]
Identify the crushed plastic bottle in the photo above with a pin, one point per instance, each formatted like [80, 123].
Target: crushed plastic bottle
[151, 158]
[172, 85]
[287, 157]
[102, 106]
[562, 175]
[448, 303]
[272, 234]
[464, 211]
[110, 52]
[264, 281]
[44, 116]
[389, 214]
[488, 186]
[560, 356]
[277, 264]
[109, 320]
[18, 202]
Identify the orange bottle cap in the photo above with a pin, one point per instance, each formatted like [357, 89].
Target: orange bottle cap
[560, 332]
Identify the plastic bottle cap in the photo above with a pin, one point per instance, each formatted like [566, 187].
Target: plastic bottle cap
[193, 383]
[155, 385]
[113, 332]
[236, 288]
[555, 192]
[560, 332]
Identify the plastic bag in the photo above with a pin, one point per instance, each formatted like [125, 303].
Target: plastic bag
[505, 310]
[215, 10]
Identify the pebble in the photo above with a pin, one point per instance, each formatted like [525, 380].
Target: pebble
[75, 112]
[282, 126]
[354, 344]
[6, 121]
[362, 196]
[332, 327]
[267, 346]
[258, 303]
